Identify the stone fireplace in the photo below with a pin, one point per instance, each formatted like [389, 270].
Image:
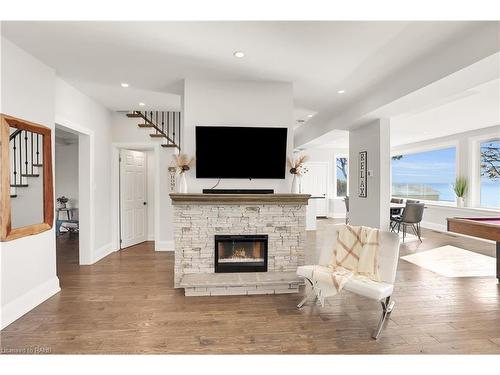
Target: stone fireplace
[238, 243]
[241, 253]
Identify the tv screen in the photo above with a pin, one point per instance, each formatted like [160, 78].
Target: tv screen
[240, 152]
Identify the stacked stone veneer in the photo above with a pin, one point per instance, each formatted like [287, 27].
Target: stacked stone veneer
[195, 227]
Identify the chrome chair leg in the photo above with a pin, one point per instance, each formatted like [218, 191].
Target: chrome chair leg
[387, 307]
[308, 295]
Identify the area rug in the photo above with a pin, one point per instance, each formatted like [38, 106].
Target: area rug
[451, 261]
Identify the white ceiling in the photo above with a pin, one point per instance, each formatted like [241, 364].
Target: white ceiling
[320, 58]
[471, 109]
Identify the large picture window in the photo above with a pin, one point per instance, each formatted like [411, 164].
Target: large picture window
[341, 173]
[425, 175]
[490, 173]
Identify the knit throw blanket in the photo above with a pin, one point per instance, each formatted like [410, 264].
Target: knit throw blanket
[356, 254]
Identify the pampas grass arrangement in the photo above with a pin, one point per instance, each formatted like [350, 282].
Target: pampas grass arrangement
[297, 165]
[183, 162]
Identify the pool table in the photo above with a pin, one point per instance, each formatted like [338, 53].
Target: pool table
[482, 227]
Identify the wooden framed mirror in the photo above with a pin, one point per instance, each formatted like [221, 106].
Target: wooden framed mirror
[26, 186]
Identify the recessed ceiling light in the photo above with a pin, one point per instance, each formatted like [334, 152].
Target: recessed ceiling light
[300, 121]
[142, 104]
[340, 91]
[123, 84]
[239, 54]
[310, 116]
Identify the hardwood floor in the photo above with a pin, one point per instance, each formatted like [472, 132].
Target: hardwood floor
[126, 303]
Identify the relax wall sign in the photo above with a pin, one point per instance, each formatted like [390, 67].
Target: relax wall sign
[363, 169]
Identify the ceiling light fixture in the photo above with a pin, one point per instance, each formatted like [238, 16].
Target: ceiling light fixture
[340, 91]
[142, 104]
[239, 54]
[310, 116]
[123, 84]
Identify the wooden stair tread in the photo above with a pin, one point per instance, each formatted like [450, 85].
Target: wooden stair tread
[170, 145]
[13, 195]
[38, 165]
[158, 136]
[137, 115]
[146, 126]
[30, 175]
[19, 185]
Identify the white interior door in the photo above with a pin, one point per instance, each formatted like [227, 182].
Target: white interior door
[133, 209]
[315, 182]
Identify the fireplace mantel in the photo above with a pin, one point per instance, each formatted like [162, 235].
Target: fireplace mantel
[280, 199]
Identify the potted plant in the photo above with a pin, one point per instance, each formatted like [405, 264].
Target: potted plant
[297, 169]
[460, 189]
[62, 201]
[183, 164]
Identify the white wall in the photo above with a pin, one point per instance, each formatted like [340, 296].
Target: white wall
[28, 265]
[66, 172]
[150, 157]
[75, 110]
[372, 211]
[236, 103]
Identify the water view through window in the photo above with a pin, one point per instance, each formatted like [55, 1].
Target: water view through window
[425, 175]
[490, 174]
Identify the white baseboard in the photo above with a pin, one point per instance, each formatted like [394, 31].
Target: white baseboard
[28, 301]
[102, 252]
[433, 226]
[164, 246]
[333, 215]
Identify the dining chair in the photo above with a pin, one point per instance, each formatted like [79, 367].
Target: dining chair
[388, 256]
[396, 200]
[411, 217]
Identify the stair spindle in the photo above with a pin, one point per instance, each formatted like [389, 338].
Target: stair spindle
[26, 152]
[32, 171]
[15, 161]
[37, 150]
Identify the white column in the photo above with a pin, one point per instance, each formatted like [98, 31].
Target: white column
[374, 210]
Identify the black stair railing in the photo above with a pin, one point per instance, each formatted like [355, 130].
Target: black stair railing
[166, 124]
[25, 156]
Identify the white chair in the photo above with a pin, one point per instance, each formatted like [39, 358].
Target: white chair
[381, 291]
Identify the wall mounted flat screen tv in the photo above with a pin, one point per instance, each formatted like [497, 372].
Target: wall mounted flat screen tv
[240, 152]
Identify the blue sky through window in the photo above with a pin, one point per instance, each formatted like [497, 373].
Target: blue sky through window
[437, 166]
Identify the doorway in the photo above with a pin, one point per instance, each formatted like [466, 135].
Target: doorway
[66, 188]
[135, 211]
[315, 182]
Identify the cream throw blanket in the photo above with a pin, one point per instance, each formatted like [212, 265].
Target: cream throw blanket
[356, 254]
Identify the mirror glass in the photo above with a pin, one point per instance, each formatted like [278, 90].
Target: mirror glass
[26, 177]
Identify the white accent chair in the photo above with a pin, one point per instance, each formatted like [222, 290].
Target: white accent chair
[380, 291]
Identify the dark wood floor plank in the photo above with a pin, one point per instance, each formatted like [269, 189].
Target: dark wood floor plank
[126, 303]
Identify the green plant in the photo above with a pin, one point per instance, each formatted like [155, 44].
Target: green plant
[460, 187]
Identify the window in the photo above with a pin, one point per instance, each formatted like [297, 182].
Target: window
[341, 173]
[490, 173]
[426, 175]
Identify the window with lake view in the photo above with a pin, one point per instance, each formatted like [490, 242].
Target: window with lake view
[428, 175]
[342, 167]
[490, 174]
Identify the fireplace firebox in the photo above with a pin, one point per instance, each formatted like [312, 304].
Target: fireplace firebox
[241, 253]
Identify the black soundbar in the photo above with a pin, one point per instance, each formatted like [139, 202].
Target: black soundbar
[238, 191]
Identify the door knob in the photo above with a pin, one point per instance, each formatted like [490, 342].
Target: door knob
[144, 203]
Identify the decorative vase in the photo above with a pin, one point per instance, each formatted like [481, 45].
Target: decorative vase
[295, 185]
[183, 187]
[460, 202]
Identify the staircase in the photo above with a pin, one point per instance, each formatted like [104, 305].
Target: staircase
[25, 159]
[164, 125]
